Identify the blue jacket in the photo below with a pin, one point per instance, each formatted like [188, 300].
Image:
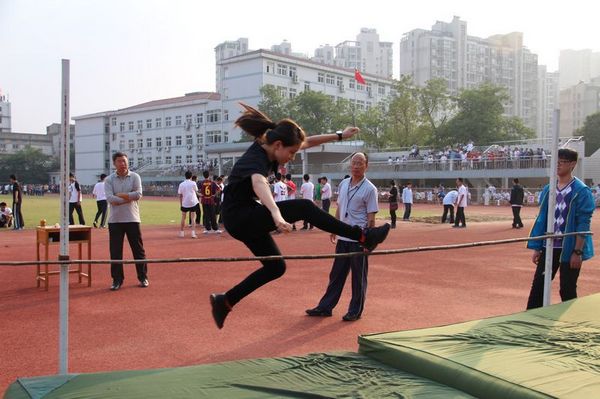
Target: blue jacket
[579, 218]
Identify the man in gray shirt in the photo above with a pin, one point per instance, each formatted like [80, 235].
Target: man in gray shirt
[357, 205]
[123, 191]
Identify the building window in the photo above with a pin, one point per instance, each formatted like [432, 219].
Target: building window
[213, 136]
[330, 79]
[188, 139]
[293, 71]
[148, 123]
[199, 138]
[188, 119]
[159, 142]
[225, 115]
[168, 141]
[122, 145]
[293, 93]
[381, 90]
[339, 81]
[158, 160]
[352, 83]
[168, 121]
[306, 86]
[113, 121]
[122, 126]
[270, 67]
[140, 143]
[177, 140]
[212, 116]
[188, 159]
[320, 77]
[149, 142]
[199, 118]
[131, 144]
[158, 122]
[168, 159]
[282, 69]
[178, 120]
[178, 159]
[282, 91]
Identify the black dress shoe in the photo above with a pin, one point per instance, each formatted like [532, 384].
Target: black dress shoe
[116, 285]
[144, 283]
[350, 317]
[318, 312]
[220, 308]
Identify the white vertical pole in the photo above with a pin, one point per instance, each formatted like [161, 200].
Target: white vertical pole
[551, 206]
[64, 222]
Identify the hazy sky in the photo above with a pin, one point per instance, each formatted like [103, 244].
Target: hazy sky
[125, 52]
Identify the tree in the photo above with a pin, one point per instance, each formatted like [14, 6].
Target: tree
[435, 103]
[30, 165]
[591, 132]
[313, 111]
[403, 114]
[372, 124]
[273, 103]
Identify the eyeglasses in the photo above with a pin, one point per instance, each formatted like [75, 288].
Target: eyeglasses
[564, 161]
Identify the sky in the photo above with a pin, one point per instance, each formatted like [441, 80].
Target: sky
[126, 52]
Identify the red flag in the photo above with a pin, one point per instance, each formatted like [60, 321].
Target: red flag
[359, 77]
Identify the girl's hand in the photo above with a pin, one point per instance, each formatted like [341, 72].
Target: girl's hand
[350, 131]
[280, 223]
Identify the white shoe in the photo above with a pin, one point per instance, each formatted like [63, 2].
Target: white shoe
[181, 234]
[194, 234]
[218, 231]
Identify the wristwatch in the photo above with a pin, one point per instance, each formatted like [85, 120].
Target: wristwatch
[578, 252]
[339, 134]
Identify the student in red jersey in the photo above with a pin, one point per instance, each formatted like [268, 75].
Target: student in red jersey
[250, 222]
[208, 192]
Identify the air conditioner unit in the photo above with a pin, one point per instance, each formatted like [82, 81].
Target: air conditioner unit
[167, 149]
[139, 150]
[198, 126]
[189, 146]
[139, 131]
[294, 78]
[159, 149]
[188, 125]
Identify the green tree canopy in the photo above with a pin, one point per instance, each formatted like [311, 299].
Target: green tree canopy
[591, 132]
[30, 165]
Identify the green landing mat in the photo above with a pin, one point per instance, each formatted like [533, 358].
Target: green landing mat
[330, 375]
[548, 352]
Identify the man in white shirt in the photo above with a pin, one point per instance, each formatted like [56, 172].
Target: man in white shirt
[6, 215]
[407, 199]
[279, 189]
[75, 198]
[188, 201]
[448, 202]
[101, 203]
[325, 194]
[308, 191]
[461, 203]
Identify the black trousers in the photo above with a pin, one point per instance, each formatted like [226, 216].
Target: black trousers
[568, 280]
[116, 234]
[18, 221]
[407, 209]
[460, 217]
[209, 217]
[337, 278]
[393, 216]
[517, 222]
[326, 204]
[252, 226]
[448, 209]
[101, 205]
[76, 206]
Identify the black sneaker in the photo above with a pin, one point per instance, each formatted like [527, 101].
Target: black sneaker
[375, 236]
[144, 283]
[116, 285]
[95, 224]
[220, 308]
[350, 317]
[318, 312]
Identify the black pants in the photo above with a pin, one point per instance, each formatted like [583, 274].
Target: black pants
[460, 217]
[76, 206]
[407, 209]
[116, 233]
[198, 214]
[326, 204]
[393, 214]
[568, 280]
[18, 221]
[517, 222]
[209, 217]
[448, 209]
[101, 204]
[252, 226]
[337, 278]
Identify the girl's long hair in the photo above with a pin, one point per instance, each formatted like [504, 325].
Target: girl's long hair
[261, 127]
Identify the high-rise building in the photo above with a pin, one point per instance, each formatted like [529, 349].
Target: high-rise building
[548, 95]
[577, 103]
[366, 53]
[5, 119]
[446, 51]
[577, 66]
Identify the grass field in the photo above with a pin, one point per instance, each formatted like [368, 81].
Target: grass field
[165, 211]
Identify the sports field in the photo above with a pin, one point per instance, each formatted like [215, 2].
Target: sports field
[169, 324]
